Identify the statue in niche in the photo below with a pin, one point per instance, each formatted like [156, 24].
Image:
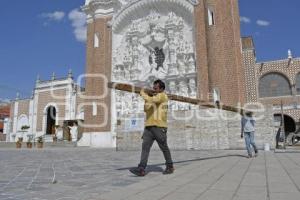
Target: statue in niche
[171, 15]
[183, 88]
[172, 87]
[189, 48]
[126, 74]
[183, 91]
[119, 102]
[173, 69]
[136, 103]
[192, 87]
[127, 108]
[154, 16]
[191, 65]
[181, 48]
[173, 90]
[181, 67]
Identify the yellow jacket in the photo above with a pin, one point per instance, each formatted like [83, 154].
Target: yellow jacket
[156, 109]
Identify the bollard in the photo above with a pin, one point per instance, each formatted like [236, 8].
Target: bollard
[267, 147]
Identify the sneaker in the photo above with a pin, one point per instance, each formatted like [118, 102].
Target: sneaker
[169, 170]
[249, 156]
[256, 153]
[138, 171]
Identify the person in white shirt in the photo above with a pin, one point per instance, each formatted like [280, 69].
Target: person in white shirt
[74, 132]
[247, 131]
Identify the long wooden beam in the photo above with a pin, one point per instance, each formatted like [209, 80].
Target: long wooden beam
[135, 89]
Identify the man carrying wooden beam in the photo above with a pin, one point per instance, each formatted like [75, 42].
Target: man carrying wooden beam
[156, 109]
[134, 89]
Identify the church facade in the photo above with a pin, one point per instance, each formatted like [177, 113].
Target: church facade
[194, 46]
[53, 104]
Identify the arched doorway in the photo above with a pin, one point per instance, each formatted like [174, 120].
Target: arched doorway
[289, 123]
[289, 130]
[51, 119]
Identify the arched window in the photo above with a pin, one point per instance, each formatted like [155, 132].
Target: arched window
[211, 17]
[273, 85]
[298, 84]
[97, 40]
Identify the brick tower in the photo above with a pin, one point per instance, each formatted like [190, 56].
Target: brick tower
[219, 58]
[97, 125]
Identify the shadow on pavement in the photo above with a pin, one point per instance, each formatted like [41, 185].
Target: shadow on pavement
[158, 168]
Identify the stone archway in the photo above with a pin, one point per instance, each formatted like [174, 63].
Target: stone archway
[289, 122]
[289, 129]
[51, 120]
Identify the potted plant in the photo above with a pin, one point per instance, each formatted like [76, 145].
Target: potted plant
[29, 141]
[40, 142]
[25, 128]
[19, 143]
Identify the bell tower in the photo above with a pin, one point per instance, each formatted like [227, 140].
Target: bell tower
[219, 57]
[97, 98]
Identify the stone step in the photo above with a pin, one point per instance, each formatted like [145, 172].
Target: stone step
[60, 144]
[289, 149]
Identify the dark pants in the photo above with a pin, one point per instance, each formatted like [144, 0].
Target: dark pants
[159, 134]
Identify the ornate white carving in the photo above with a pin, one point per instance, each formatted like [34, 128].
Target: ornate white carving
[157, 45]
[192, 88]
[95, 8]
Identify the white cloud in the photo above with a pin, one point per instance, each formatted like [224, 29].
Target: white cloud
[245, 20]
[78, 20]
[262, 23]
[55, 16]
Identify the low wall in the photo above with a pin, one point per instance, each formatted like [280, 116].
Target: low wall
[197, 129]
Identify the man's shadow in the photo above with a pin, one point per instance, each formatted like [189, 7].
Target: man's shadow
[158, 167]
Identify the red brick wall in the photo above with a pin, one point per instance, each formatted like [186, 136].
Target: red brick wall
[45, 98]
[201, 51]
[255, 71]
[24, 107]
[222, 49]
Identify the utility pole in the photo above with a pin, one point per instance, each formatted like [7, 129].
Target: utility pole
[282, 132]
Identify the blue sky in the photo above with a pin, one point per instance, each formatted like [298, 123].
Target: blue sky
[274, 25]
[45, 36]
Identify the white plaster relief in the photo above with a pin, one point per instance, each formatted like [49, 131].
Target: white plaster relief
[156, 46]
